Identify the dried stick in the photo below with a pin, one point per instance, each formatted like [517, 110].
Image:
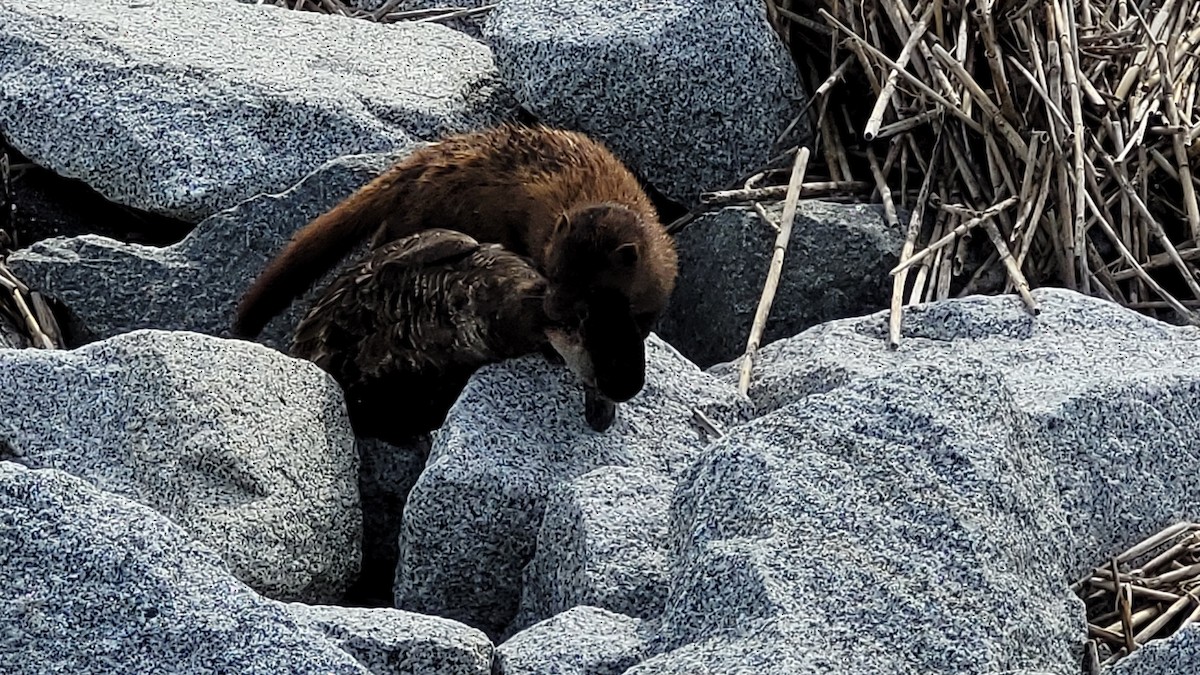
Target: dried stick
[1070, 71]
[45, 319]
[31, 324]
[1014, 272]
[986, 214]
[889, 210]
[913, 80]
[773, 192]
[776, 268]
[980, 96]
[1181, 156]
[992, 52]
[889, 87]
[1155, 227]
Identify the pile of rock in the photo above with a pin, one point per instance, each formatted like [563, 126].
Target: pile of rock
[171, 498]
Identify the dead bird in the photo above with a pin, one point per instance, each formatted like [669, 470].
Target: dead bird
[404, 328]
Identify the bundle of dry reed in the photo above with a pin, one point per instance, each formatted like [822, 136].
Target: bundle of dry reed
[1146, 593]
[385, 13]
[25, 309]
[1066, 131]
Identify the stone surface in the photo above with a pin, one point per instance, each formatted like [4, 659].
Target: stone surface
[603, 543]
[875, 528]
[200, 106]
[1178, 654]
[515, 433]
[46, 205]
[691, 93]
[580, 641]
[836, 266]
[248, 451]
[1117, 392]
[922, 510]
[112, 287]
[389, 641]
[93, 582]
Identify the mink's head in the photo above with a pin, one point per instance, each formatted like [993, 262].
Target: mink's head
[605, 249]
[614, 342]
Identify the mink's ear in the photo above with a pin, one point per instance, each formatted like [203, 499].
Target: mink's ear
[625, 255]
[561, 225]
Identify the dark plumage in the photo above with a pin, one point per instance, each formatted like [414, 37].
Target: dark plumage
[404, 328]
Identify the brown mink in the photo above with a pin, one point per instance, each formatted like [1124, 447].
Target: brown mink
[556, 196]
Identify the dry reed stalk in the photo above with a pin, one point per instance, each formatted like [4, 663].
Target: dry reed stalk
[1162, 620]
[775, 192]
[1010, 265]
[1069, 51]
[889, 209]
[817, 95]
[916, 218]
[926, 89]
[889, 87]
[942, 269]
[762, 215]
[385, 13]
[775, 269]
[1125, 610]
[46, 320]
[1140, 591]
[37, 335]
[978, 95]
[1159, 260]
[986, 214]
[457, 14]
[1181, 157]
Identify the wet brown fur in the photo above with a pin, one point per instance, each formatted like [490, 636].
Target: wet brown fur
[556, 196]
[403, 329]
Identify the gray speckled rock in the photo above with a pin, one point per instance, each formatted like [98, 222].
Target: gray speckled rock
[91, 582]
[515, 433]
[111, 287]
[603, 543]
[691, 93]
[186, 108]
[923, 510]
[836, 265]
[1117, 392]
[875, 529]
[248, 450]
[580, 641]
[392, 642]
[1178, 654]
[765, 648]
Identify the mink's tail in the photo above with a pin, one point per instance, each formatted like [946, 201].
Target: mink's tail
[315, 249]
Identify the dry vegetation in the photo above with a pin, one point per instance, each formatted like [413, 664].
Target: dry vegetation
[1056, 141]
[1068, 134]
[25, 310]
[386, 13]
[1153, 597]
